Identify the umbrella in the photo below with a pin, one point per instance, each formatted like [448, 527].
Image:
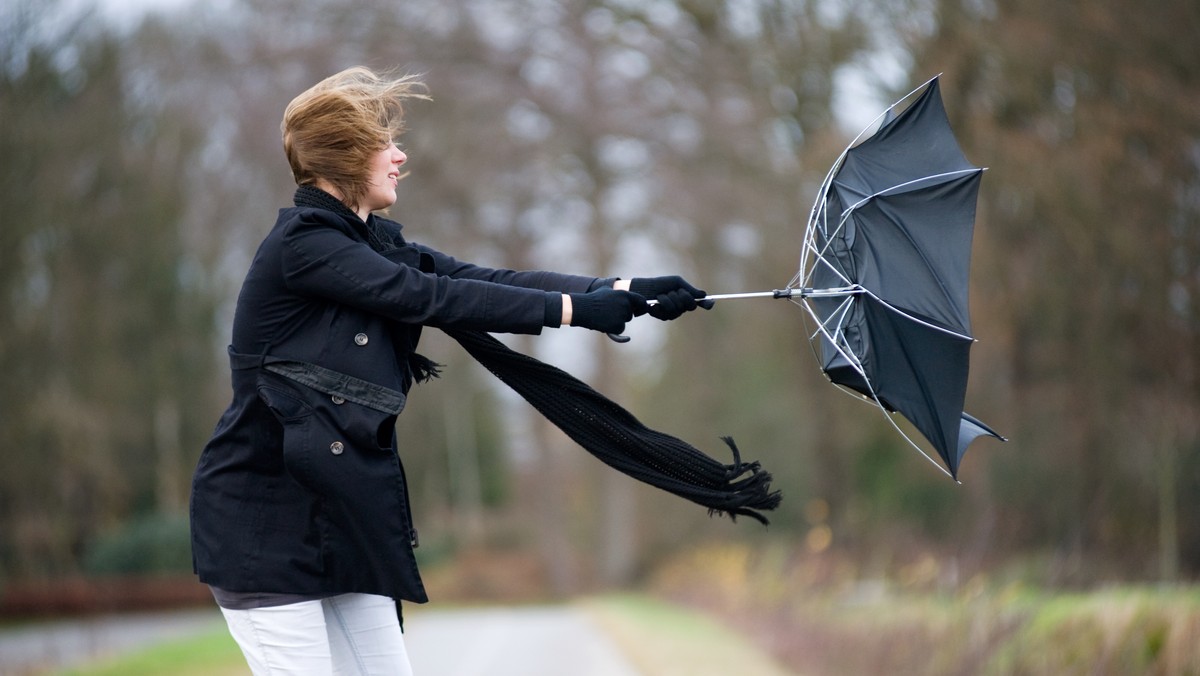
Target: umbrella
[884, 273]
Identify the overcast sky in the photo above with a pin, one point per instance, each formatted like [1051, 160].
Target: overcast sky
[856, 103]
[125, 13]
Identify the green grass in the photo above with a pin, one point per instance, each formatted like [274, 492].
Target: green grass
[211, 654]
[1120, 630]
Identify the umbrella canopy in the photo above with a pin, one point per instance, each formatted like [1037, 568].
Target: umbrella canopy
[886, 270]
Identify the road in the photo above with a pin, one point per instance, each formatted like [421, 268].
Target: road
[533, 641]
[505, 641]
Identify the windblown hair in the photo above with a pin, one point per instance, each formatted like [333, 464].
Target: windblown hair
[333, 129]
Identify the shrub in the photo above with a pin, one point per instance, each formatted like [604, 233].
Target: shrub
[151, 544]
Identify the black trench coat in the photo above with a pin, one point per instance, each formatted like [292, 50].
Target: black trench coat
[301, 488]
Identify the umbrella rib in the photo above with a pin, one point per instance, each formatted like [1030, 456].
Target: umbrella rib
[807, 247]
[891, 419]
[837, 345]
[824, 260]
[916, 319]
[840, 314]
[819, 254]
[898, 186]
[820, 209]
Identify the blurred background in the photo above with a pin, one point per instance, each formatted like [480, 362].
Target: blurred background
[141, 164]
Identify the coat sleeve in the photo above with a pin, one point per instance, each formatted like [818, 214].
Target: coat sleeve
[532, 279]
[320, 259]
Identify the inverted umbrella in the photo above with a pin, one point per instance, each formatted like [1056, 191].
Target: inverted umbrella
[884, 273]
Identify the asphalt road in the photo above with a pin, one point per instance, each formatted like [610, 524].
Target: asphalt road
[504, 641]
[523, 641]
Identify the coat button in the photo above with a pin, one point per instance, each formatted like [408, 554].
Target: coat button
[337, 400]
[361, 339]
[336, 448]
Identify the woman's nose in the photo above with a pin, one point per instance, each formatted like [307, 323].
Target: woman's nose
[399, 157]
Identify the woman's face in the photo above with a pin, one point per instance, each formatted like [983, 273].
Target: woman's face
[384, 175]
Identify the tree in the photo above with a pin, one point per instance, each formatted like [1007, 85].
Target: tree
[1092, 232]
[106, 319]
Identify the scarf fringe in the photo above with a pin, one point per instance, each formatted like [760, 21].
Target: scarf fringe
[423, 368]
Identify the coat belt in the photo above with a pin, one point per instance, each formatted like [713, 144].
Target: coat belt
[325, 380]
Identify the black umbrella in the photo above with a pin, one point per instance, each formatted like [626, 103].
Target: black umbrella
[885, 268]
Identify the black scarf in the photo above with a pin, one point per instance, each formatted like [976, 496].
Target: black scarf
[596, 423]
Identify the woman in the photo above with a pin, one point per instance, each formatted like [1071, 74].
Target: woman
[300, 510]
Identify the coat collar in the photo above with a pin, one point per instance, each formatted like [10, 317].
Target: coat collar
[378, 235]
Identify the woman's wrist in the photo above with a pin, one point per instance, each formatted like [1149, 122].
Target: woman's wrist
[622, 284]
[566, 310]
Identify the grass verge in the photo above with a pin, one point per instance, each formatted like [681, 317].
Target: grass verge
[210, 654]
[818, 615]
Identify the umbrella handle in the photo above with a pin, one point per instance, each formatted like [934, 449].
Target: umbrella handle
[777, 293]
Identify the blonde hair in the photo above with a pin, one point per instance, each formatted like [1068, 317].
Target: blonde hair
[333, 129]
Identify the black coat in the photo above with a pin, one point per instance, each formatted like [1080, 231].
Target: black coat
[301, 487]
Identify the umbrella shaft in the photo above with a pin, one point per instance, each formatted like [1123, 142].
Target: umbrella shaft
[783, 293]
[778, 293]
[807, 292]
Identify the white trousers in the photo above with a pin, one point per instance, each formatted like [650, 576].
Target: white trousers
[355, 634]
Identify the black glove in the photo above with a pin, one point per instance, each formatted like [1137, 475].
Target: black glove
[672, 293]
[606, 309]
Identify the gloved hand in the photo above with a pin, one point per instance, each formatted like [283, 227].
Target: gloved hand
[606, 309]
[672, 293]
